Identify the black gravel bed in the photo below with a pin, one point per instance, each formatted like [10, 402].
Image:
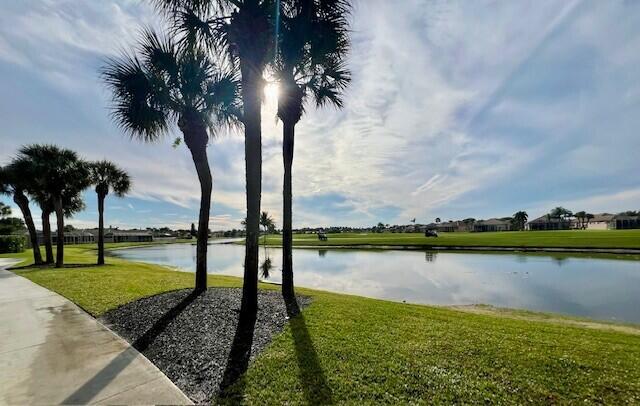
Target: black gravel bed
[189, 337]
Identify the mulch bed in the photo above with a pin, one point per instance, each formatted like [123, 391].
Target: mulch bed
[190, 337]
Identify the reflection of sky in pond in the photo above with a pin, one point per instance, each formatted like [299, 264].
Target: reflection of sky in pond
[597, 288]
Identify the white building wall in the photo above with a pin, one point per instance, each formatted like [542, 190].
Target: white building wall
[600, 225]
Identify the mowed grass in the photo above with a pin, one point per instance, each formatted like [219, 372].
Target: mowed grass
[541, 239]
[352, 350]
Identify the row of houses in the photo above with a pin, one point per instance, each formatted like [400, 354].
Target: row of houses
[111, 235]
[603, 221]
[490, 225]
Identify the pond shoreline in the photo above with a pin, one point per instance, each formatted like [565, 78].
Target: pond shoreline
[463, 248]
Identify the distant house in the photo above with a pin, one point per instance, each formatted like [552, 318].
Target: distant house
[492, 225]
[624, 222]
[74, 237]
[113, 235]
[601, 221]
[449, 227]
[546, 223]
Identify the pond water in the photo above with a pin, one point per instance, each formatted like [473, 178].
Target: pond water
[605, 289]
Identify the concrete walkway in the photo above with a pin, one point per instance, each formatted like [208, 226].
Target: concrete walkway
[52, 352]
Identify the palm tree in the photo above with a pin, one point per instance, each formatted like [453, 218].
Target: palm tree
[71, 204]
[581, 216]
[106, 176]
[13, 183]
[266, 221]
[61, 174]
[313, 42]
[520, 219]
[243, 30]
[164, 85]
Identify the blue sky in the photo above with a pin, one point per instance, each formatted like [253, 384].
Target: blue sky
[457, 109]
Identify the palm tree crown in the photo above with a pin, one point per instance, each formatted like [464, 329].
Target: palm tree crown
[313, 43]
[168, 84]
[106, 176]
[55, 170]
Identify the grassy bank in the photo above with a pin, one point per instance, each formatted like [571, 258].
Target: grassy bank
[541, 239]
[347, 349]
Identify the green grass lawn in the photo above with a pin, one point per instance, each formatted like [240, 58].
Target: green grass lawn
[353, 350]
[544, 239]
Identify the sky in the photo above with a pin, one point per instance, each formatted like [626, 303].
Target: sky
[456, 109]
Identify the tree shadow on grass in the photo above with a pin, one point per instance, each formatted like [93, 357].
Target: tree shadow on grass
[93, 386]
[312, 377]
[233, 382]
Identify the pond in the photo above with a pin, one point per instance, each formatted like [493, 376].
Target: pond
[598, 288]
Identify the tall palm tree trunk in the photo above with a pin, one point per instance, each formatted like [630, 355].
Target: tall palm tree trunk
[196, 140]
[287, 227]
[251, 88]
[46, 234]
[101, 197]
[57, 204]
[23, 203]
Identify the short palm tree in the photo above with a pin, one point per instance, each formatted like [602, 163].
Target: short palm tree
[165, 84]
[243, 30]
[313, 44]
[59, 173]
[106, 177]
[13, 182]
[520, 219]
[267, 223]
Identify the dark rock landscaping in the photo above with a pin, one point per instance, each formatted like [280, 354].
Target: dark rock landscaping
[196, 340]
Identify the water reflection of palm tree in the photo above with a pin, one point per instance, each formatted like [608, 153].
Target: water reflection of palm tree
[430, 256]
[265, 268]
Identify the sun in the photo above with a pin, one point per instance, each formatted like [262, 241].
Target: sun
[271, 92]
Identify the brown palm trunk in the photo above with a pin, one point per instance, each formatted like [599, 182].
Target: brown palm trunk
[46, 234]
[57, 204]
[101, 197]
[251, 89]
[195, 136]
[287, 227]
[23, 203]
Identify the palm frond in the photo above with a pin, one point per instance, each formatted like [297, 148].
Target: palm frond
[140, 100]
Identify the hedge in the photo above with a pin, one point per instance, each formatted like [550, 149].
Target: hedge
[11, 243]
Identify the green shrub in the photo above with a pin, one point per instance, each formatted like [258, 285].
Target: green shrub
[11, 243]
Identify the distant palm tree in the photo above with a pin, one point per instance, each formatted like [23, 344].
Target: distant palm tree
[59, 173]
[166, 84]
[581, 216]
[520, 219]
[313, 43]
[106, 176]
[13, 182]
[266, 221]
[243, 30]
[5, 210]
